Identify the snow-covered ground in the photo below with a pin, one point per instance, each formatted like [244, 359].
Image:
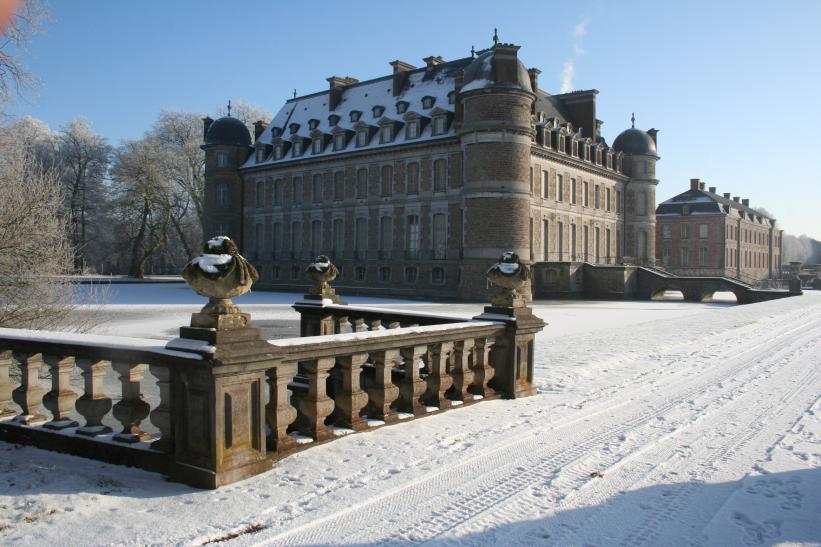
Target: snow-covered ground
[657, 423]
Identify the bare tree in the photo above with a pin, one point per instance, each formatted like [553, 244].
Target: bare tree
[20, 25]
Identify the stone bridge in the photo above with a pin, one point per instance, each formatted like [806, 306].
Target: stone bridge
[653, 283]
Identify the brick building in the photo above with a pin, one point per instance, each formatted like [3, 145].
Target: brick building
[416, 182]
[703, 233]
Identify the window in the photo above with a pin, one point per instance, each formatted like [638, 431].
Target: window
[560, 240]
[259, 239]
[296, 239]
[386, 134]
[573, 255]
[561, 143]
[665, 256]
[439, 174]
[545, 239]
[685, 257]
[221, 229]
[297, 148]
[338, 237]
[411, 274]
[295, 272]
[339, 141]
[221, 194]
[607, 198]
[559, 188]
[597, 244]
[586, 196]
[607, 245]
[685, 209]
[440, 235]
[260, 193]
[666, 231]
[586, 241]
[641, 197]
[618, 201]
[702, 256]
[437, 276]
[362, 138]
[261, 154]
[439, 125]
[359, 273]
[339, 185]
[275, 272]
[401, 107]
[276, 240]
[333, 120]
[685, 231]
[277, 152]
[452, 97]
[413, 178]
[413, 129]
[278, 192]
[317, 188]
[412, 236]
[362, 183]
[545, 184]
[573, 191]
[702, 231]
[317, 145]
[222, 159]
[384, 274]
[316, 237]
[355, 115]
[531, 179]
[596, 197]
[387, 180]
[313, 124]
[297, 190]
[532, 234]
[385, 233]
[361, 236]
[427, 102]
[378, 111]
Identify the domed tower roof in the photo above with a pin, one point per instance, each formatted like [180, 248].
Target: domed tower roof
[484, 72]
[635, 141]
[228, 130]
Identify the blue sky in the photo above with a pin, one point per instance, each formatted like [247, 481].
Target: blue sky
[732, 86]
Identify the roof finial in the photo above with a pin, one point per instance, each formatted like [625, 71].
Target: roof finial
[294, 93]
[229, 107]
[495, 36]
[472, 52]
[633, 120]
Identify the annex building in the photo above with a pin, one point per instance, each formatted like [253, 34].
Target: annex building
[703, 233]
[415, 182]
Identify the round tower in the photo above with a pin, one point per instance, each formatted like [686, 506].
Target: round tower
[227, 144]
[639, 163]
[496, 133]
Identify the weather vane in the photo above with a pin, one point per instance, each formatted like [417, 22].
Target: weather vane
[472, 52]
[294, 93]
[495, 36]
[633, 119]
[229, 107]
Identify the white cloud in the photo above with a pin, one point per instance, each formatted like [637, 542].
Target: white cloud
[580, 30]
[567, 77]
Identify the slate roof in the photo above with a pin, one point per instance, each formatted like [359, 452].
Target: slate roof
[703, 202]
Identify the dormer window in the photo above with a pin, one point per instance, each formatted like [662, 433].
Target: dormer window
[297, 148]
[386, 133]
[260, 154]
[294, 127]
[561, 143]
[339, 141]
[575, 149]
[278, 152]
[276, 131]
[362, 138]
[313, 124]
[317, 145]
[378, 111]
[401, 107]
[333, 119]
[547, 135]
[452, 97]
[427, 102]
[439, 125]
[355, 115]
[413, 129]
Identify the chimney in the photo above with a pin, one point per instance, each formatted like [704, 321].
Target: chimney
[736, 199]
[400, 75]
[702, 185]
[433, 60]
[712, 189]
[653, 132]
[745, 202]
[259, 128]
[534, 78]
[694, 184]
[580, 107]
[726, 195]
[507, 64]
[337, 86]
[206, 123]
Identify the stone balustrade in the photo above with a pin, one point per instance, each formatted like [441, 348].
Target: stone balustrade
[221, 404]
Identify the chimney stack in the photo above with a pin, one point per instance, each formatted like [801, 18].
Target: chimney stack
[400, 76]
[206, 123]
[433, 60]
[694, 184]
[702, 185]
[712, 189]
[737, 199]
[534, 78]
[259, 128]
[653, 132]
[745, 202]
[726, 195]
[337, 86]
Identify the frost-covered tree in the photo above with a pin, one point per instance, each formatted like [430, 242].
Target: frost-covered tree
[18, 21]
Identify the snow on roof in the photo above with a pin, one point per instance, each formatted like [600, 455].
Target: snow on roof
[364, 97]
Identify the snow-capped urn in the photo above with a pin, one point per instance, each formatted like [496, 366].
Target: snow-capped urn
[322, 271]
[511, 275]
[220, 273]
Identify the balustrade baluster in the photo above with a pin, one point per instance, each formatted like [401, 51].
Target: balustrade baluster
[375, 324]
[438, 381]
[60, 400]
[412, 386]
[6, 387]
[131, 410]
[279, 413]
[160, 416]
[316, 405]
[93, 405]
[383, 393]
[393, 325]
[359, 325]
[460, 371]
[344, 325]
[350, 399]
[482, 371]
[29, 395]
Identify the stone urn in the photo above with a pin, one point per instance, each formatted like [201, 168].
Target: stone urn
[511, 275]
[220, 273]
[322, 271]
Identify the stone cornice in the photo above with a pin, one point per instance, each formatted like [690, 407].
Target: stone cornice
[564, 159]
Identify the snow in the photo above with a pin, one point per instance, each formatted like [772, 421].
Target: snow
[209, 263]
[655, 423]
[508, 268]
[378, 334]
[217, 242]
[319, 266]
